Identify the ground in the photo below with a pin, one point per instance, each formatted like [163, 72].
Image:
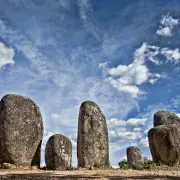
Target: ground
[112, 174]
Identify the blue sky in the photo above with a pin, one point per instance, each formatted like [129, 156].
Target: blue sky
[124, 55]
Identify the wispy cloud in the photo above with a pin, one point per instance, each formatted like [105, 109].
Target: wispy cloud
[6, 55]
[171, 55]
[88, 19]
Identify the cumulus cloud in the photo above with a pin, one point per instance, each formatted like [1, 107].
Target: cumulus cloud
[115, 122]
[115, 136]
[136, 122]
[164, 31]
[137, 129]
[127, 78]
[6, 55]
[167, 24]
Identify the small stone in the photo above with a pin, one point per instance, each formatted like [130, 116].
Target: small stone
[34, 167]
[134, 158]
[7, 166]
[58, 153]
[91, 168]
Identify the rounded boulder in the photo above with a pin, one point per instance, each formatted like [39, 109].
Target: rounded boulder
[21, 131]
[134, 158]
[165, 118]
[58, 153]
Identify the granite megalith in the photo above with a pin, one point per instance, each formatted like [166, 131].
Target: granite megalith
[21, 131]
[134, 158]
[164, 139]
[92, 142]
[164, 143]
[165, 118]
[58, 153]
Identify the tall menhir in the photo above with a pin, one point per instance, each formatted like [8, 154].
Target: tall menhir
[92, 142]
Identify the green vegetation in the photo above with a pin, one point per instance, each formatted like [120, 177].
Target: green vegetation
[148, 164]
[123, 164]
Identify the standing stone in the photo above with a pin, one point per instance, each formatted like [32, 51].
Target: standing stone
[21, 131]
[134, 158]
[145, 159]
[58, 153]
[92, 142]
[164, 143]
[164, 139]
[165, 118]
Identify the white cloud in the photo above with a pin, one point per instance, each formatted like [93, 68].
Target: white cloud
[136, 122]
[116, 136]
[167, 24]
[164, 31]
[155, 77]
[171, 55]
[114, 122]
[137, 129]
[131, 89]
[144, 142]
[121, 130]
[127, 78]
[6, 55]
[168, 20]
[89, 21]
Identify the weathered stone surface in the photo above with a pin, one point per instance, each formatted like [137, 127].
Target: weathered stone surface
[164, 139]
[58, 153]
[92, 142]
[7, 166]
[21, 131]
[164, 142]
[165, 118]
[145, 159]
[134, 158]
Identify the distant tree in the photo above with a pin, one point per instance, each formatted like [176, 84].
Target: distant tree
[123, 164]
[148, 164]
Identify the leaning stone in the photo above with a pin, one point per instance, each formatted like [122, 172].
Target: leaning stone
[21, 131]
[92, 143]
[58, 153]
[164, 143]
[165, 118]
[134, 158]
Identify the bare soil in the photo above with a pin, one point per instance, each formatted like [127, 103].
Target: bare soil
[112, 174]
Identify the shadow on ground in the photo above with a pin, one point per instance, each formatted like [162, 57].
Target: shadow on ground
[51, 176]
